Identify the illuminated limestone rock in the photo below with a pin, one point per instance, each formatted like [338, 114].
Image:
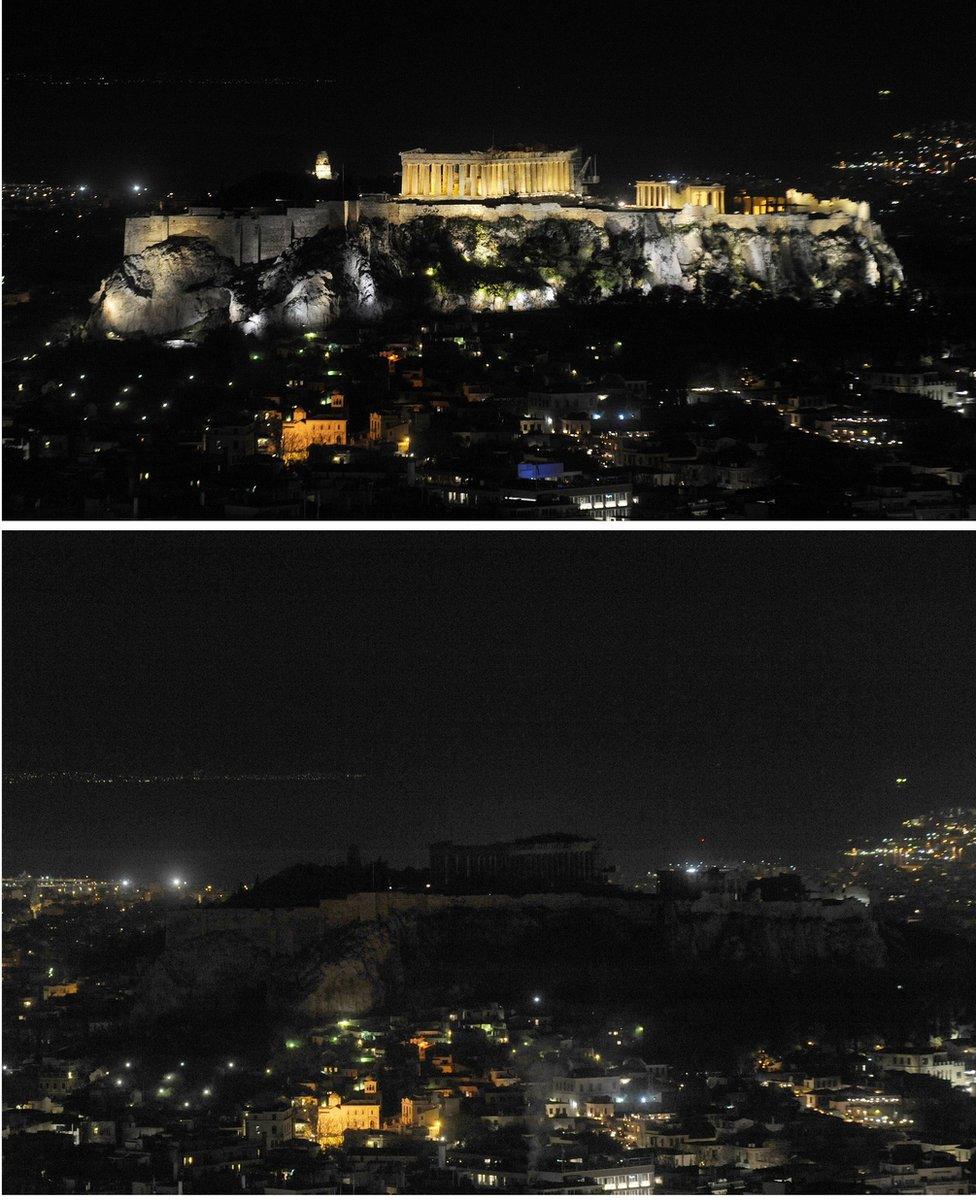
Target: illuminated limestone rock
[315, 281]
[173, 287]
[509, 258]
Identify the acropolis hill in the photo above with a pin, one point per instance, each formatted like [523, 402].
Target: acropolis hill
[483, 230]
[359, 952]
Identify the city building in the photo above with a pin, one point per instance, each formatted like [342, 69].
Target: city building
[340, 1113]
[232, 442]
[270, 1126]
[935, 1063]
[302, 430]
[916, 383]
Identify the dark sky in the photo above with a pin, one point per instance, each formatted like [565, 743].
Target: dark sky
[760, 690]
[647, 86]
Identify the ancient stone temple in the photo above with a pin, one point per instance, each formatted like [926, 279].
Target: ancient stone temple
[664, 193]
[482, 174]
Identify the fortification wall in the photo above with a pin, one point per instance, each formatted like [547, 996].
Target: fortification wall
[243, 238]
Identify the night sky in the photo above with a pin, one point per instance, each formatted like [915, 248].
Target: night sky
[760, 690]
[646, 86]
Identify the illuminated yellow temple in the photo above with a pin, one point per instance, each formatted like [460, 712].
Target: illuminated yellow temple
[665, 193]
[487, 174]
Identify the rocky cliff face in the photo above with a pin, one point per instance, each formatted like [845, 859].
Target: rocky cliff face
[182, 285]
[349, 957]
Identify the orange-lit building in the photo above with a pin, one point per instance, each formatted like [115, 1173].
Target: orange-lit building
[300, 431]
[338, 1114]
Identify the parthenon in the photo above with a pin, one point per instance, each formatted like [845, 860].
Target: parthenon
[482, 174]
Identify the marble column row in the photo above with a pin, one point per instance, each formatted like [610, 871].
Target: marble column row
[478, 179]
